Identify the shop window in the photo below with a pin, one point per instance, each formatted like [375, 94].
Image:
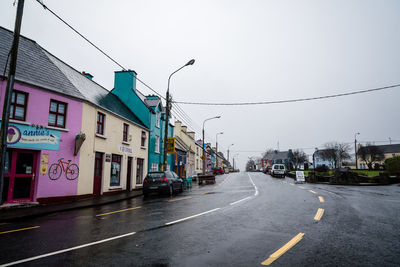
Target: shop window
[57, 113]
[115, 170]
[125, 132]
[139, 171]
[143, 140]
[19, 102]
[100, 123]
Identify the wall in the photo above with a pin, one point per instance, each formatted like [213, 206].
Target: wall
[109, 144]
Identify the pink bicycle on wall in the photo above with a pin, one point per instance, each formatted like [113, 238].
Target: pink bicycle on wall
[56, 169]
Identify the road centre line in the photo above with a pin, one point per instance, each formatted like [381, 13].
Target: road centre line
[321, 199]
[182, 198]
[117, 211]
[233, 203]
[255, 187]
[302, 187]
[191, 217]
[66, 250]
[274, 256]
[18, 230]
[4, 223]
[319, 214]
[312, 191]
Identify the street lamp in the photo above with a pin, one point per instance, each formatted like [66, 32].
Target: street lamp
[216, 145]
[204, 151]
[228, 152]
[355, 148]
[313, 158]
[191, 62]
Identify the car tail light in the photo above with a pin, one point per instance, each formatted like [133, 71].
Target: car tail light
[164, 180]
[145, 180]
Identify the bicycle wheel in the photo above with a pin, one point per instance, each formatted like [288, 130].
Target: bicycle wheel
[72, 172]
[55, 171]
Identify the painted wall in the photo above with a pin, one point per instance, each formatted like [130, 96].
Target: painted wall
[110, 143]
[37, 114]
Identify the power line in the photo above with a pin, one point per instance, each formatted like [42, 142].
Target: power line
[95, 46]
[289, 100]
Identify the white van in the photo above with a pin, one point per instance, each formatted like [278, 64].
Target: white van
[278, 170]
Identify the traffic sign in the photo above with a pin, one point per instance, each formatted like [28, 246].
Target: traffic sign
[171, 145]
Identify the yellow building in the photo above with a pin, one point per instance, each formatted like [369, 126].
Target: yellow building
[188, 139]
[389, 151]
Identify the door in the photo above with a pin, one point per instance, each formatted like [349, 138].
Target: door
[129, 174]
[98, 173]
[139, 171]
[20, 176]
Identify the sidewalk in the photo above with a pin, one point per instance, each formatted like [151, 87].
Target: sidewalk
[14, 213]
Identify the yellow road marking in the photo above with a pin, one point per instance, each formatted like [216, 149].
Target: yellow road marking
[4, 223]
[302, 187]
[312, 191]
[183, 198]
[291, 184]
[321, 199]
[274, 256]
[18, 230]
[205, 193]
[319, 214]
[112, 212]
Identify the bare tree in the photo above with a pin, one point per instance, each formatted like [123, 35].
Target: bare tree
[335, 152]
[269, 151]
[370, 154]
[250, 165]
[297, 157]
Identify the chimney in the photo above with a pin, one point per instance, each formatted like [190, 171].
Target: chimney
[191, 134]
[125, 80]
[87, 75]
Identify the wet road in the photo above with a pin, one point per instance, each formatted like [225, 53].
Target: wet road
[246, 219]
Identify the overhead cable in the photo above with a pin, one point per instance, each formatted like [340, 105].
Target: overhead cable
[289, 100]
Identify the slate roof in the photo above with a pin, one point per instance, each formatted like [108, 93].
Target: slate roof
[277, 155]
[38, 67]
[395, 148]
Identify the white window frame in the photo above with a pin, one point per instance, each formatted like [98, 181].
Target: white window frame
[154, 167]
[158, 119]
[157, 144]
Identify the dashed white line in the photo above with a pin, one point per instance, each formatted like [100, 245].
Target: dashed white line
[193, 216]
[255, 187]
[67, 249]
[236, 202]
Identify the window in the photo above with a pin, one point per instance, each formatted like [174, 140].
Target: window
[19, 102]
[154, 167]
[157, 144]
[115, 170]
[158, 119]
[100, 123]
[143, 141]
[57, 113]
[125, 132]
[139, 171]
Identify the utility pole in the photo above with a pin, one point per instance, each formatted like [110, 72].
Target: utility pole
[7, 96]
[355, 148]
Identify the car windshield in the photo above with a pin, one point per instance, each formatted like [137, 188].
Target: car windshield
[282, 167]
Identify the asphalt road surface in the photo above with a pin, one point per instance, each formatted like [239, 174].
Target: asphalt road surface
[245, 219]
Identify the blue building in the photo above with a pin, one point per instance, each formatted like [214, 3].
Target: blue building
[150, 111]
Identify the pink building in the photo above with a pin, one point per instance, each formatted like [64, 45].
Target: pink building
[45, 119]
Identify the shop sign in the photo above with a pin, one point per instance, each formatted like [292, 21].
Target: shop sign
[27, 136]
[125, 149]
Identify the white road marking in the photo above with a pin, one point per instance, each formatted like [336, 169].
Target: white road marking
[66, 250]
[193, 216]
[233, 203]
[255, 187]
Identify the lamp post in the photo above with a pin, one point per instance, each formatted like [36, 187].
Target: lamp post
[355, 148]
[204, 150]
[228, 152]
[216, 145]
[313, 158]
[168, 99]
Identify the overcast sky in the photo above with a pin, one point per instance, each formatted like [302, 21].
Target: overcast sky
[245, 51]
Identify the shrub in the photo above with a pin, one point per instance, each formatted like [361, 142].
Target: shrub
[322, 168]
[393, 165]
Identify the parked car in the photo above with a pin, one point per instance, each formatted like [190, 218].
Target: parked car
[267, 170]
[278, 170]
[217, 171]
[166, 182]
